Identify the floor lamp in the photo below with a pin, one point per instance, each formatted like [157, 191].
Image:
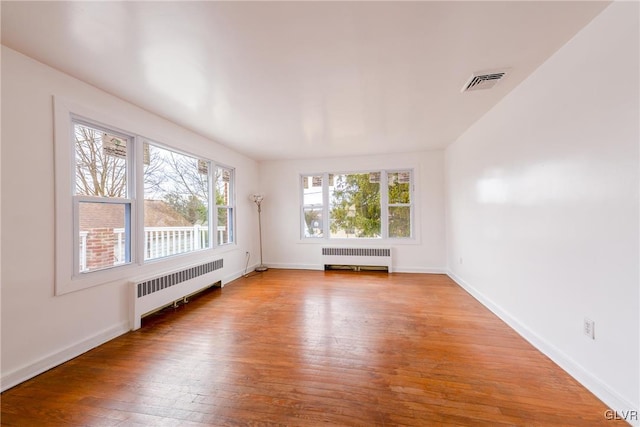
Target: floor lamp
[257, 199]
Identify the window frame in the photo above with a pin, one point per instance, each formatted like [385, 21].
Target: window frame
[410, 205]
[384, 207]
[231, 207]
[210, 220]
[324, 188]
[329, 206]
[128, 201]
[129, 226]
[68, 277]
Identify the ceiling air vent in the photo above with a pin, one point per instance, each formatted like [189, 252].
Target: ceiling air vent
[480, 81]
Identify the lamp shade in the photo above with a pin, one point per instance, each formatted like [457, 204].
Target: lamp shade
[256, 198]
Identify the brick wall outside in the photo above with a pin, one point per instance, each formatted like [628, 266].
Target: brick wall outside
[100, 248]
[99, 220]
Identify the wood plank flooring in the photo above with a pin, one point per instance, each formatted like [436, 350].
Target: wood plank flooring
[309, 348]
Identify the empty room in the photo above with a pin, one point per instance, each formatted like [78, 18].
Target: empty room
[320, 213]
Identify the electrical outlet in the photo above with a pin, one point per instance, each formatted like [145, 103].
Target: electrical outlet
[589, 328]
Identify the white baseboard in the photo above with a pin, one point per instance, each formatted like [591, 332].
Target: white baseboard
[28, 371]
[420, 270]
[285, 266]
[596, 386]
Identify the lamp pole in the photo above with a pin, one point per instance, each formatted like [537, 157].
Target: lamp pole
[257, 198]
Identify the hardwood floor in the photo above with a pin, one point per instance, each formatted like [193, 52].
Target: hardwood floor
[305, 348]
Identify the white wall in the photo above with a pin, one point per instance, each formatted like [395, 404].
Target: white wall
[39, 329]
[542, 211]
[542, 207]
[280, 180]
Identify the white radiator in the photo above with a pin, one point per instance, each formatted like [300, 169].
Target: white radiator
[357, 257]
[157, 292]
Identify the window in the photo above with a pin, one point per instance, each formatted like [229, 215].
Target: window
[102, 197]
[121, 201]
[224, 205]
[399, 203]
[355, 205]
[312, 206]
[372, 205]
[176, 202]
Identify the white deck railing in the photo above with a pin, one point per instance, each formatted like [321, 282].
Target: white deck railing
[158, 242]
[163, 241]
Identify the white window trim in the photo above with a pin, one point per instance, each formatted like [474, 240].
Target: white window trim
[231, 206]
[66, 264]
[140, 236]
[64, 156]
[129, 200]
[411, 204]
[384, 209]
[325, 198]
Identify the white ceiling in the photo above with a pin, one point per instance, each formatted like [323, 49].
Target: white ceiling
[279, 80]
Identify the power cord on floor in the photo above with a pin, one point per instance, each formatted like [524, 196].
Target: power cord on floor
[246, 267]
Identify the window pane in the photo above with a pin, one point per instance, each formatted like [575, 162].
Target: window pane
[312, 205]
[103, 235]
[312, 190]
[223, 187]
[399, 221]
[313, 222]
[225, 229]
[176, 205]
[355, 205]
[224, 201]
[399, 187]
[101, 163]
